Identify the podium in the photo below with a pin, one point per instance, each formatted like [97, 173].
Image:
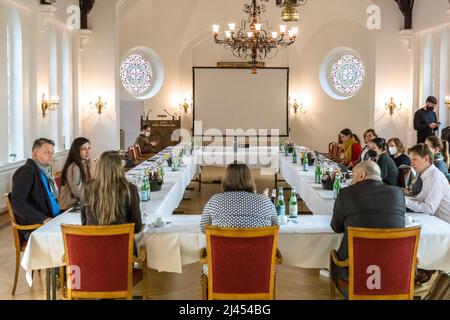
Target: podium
[162, 131]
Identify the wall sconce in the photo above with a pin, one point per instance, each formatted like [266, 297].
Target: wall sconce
[298, 107]
[447, 101]
[185, 105]
[48, 105]
[392, 106]
[99, 106]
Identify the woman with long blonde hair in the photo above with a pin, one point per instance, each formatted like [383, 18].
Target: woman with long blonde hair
[109, 198]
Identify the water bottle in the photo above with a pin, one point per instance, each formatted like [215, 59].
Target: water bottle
[306, 163]
[294, 156]
[318, 175]
[336, 186]
[144, 190]
[293, 206]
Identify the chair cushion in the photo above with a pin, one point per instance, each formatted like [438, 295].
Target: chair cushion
[393, 257]
[102, 262]
[241, 265]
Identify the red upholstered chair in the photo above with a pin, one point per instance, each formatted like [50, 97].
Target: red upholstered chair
[382, 263]
[241, 263]
[100, 262]
[20, 245]
[132, 154]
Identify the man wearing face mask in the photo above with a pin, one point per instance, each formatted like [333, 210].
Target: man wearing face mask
[144, 142]
[367, 203]
[425, 120]
[34, 190]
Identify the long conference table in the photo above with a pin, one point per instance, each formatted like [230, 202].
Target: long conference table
[306, 244]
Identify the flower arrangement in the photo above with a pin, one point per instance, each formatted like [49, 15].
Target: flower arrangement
[328, 177]
[290, 145]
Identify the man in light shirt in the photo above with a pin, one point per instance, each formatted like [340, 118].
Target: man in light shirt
[434, 199]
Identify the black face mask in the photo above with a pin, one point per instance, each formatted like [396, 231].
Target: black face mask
[430, 108]
[372, 154]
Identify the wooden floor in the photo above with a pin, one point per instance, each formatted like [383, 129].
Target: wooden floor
[292, 283]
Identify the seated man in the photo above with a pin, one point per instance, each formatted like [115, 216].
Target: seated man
[367, 203]
[434, 198]
[144, 142]
[34, 190]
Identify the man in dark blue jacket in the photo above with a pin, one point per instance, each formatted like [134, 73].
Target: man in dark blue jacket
[34, 190]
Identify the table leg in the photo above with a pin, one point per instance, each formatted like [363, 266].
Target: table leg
[199, 182]
[47, 283]
[55, 270]
[276, 181]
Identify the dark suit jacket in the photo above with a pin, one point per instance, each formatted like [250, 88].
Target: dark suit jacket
[368, 204]
[29, 197]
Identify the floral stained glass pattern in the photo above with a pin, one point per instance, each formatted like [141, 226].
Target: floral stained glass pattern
[136, 74]
[347, 75]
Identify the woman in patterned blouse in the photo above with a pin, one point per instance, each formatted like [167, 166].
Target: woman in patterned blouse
[239, 206]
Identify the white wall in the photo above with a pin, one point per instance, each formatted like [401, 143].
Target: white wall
[36, 71]
[183, 39]
[99, 72]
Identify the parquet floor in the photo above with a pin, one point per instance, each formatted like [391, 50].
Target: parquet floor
[292, 283]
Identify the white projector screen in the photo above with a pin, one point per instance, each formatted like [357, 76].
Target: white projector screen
[236, 99]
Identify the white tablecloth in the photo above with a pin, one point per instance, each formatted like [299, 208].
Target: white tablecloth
[318, 200]
[305, 245]
[164, 202]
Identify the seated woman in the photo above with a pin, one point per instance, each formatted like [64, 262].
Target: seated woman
[441, 155]
[369, 135]
[351, 147]
[389, 171]
[110, 199]
[238, 206]
[76, 172]
[397, 152]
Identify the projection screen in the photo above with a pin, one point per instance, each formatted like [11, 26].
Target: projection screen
[236, 99]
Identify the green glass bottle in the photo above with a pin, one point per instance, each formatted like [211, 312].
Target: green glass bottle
[294, 156]
[318, 175]
[306, 163]
[293, 206]
[337, 186]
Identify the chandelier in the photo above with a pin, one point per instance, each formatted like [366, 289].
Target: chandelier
[251, 40]
[290, 13]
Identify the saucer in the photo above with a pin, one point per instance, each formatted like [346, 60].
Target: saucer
[162, 225]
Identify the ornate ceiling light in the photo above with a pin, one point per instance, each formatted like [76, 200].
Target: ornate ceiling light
[290, 12]
[251, 40]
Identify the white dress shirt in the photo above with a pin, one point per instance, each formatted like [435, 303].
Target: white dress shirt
[434, 199]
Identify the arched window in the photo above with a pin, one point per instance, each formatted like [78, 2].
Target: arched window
[66, 84]
[428, 68]
[14, 86]
[342, 73]
[53, 86]
[444, 77]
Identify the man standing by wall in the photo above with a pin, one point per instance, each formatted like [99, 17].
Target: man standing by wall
[425, 120]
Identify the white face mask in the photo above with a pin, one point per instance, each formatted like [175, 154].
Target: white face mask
[393, 151]
[147, 134]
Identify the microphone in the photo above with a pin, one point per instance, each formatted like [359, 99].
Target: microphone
[173, 117]
[148, 114]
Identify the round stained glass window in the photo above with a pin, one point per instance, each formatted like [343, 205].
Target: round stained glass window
[136, 74]
[347, 75]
